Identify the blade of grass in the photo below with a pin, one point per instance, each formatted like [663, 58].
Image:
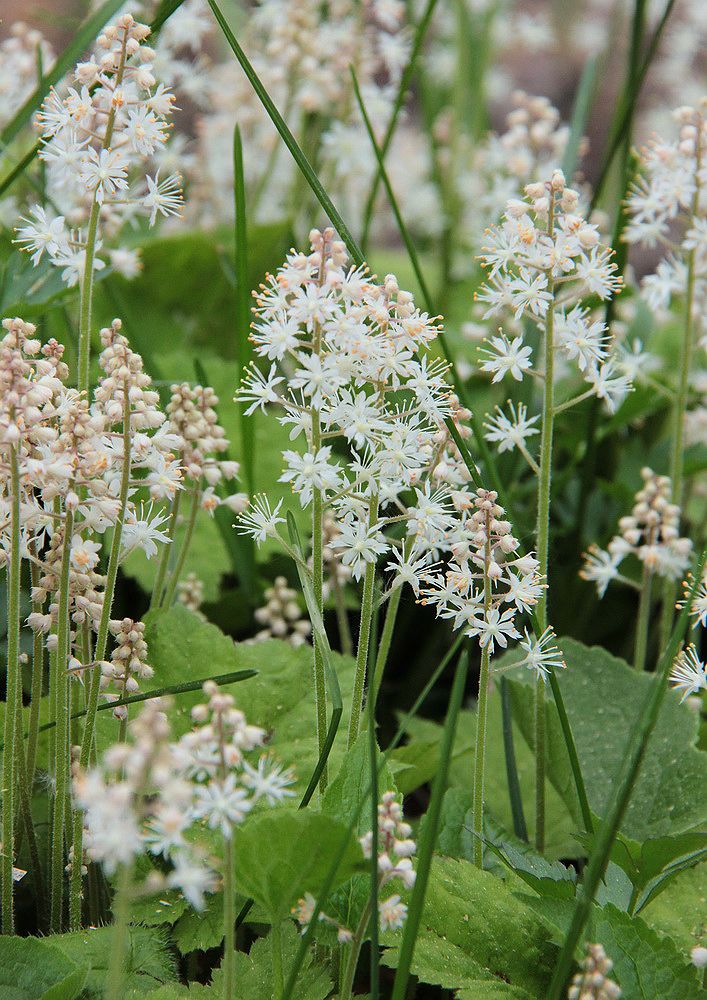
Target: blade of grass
[405, 81]
[519, 826]
[580, 114]
[609, 829]
[627, 107]
[331, 874]
[240, 260]
[429, 834]
[134, 699]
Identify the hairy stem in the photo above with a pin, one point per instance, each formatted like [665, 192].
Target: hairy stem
[481, 718]
[354, 954]
[391, 615]
[171, 589]
[36, 685]
[76, 889]
[229, 922]
[13, 685]
[61, 760]
[163, 564]
[364, 634]
[115, 983]
[643, 621]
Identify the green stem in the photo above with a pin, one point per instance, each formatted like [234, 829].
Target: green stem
[354, 954]
[13, 683]
[643, 622]
[76, 887]
[181, 559]
[481, 720]
[342, 618]
[364, 635]
[24, 788]
[36, 685]
[117, 967]
[391, 615]
[229, 922]
[61, 760]
[163, 564]
[543, 541]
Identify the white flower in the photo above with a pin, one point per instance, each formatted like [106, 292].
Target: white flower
[510, 432]
[268, 780]
[542, 654]
[360, 543]
[84, 553]
[260, 521]
[144, 532]
[258, 388]
[392, 913]
[600, 567]
[494, 628]
[43, 231]
[192, 879]
[223, 804]
[507, 356]
[310, 472]
[104, 172]
[163, 197]
[689, 673]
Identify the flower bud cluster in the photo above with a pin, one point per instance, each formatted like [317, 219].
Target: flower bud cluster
[651, 533]
[97, 142]
[282, 616]
[190, 592]
[128, 663]
[19, 54]
[395, 851]
[593, 982]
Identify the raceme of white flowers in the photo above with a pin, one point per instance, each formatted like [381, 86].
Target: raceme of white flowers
[346, 360]
[98, 141]
[396, 848]
[545, 262]
[152, 793]
[650, 533]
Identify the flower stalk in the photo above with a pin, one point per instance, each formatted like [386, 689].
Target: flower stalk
[481, 719]
[364, 634]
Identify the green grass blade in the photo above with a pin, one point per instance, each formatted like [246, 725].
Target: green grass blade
[610, 827]
[628, 104]
[240, 260]
[288, 138]
[429, 834]
[571, 748]
[66, 61]
[174, 689]
[405, 81]
[580, 115]
[19, 168]
[519, 826]
[331, 874]
[337, 705]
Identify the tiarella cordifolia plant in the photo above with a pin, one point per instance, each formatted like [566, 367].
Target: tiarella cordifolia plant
[651, 533]
[98, 140]
[149, 793]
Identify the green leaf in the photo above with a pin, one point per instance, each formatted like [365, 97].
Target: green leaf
[547, 878]
[200, 931]
[603, 696]
[282, 854]
[646, 966]
[679, 912]
[416, 763]
[149, 962]
[32, 969]
[254, 979]
[475, 931]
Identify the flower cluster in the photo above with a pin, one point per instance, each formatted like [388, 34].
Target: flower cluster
[668, 205]
[651, 533]
[128, 663]
[544, 262]
[281, 616]
[151, 794]
[395, 850]
[98, 139]
[20, 53]
[593, 982]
